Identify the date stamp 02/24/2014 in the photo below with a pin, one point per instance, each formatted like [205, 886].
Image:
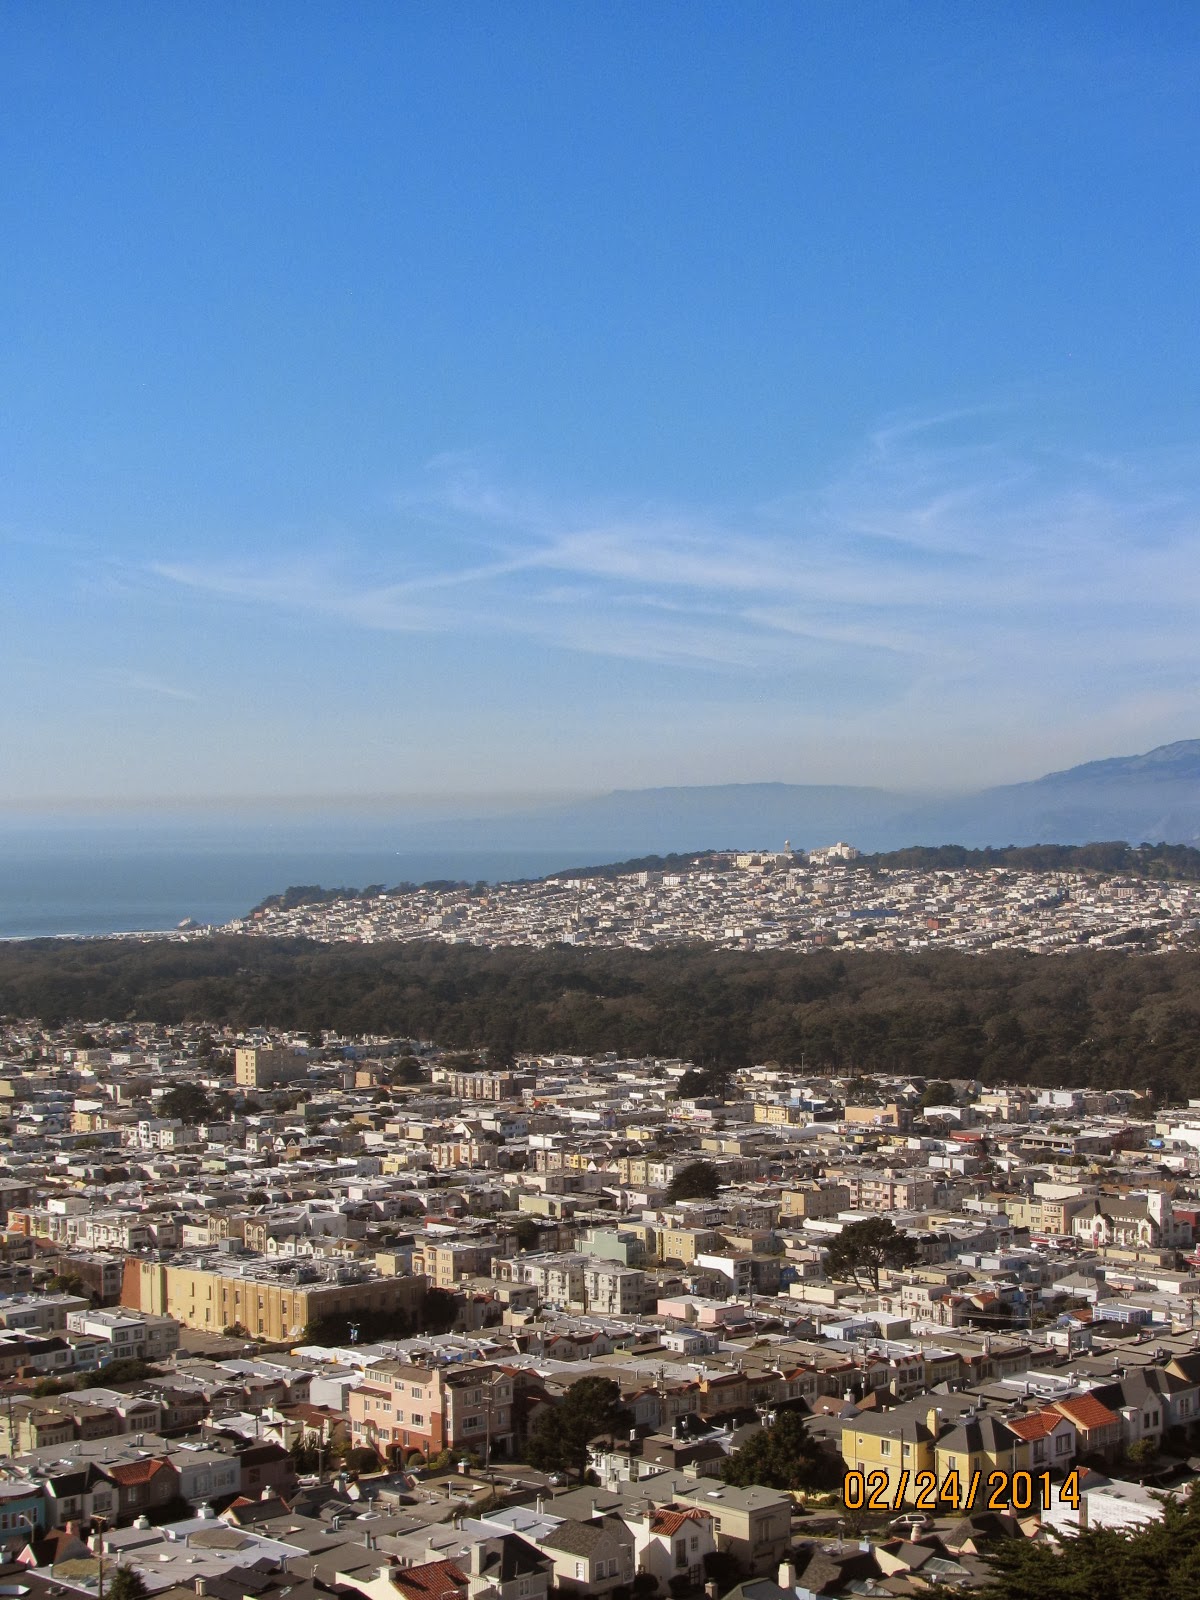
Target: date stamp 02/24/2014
[990, 1491]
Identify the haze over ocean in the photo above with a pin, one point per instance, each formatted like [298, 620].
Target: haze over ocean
[92, 882]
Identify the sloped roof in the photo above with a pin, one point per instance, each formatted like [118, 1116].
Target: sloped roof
[430, 1580]
[510, 1557]
[669, 1519]
[128, 1473]
[1035, 1425]
[1085, 1411]
[574, 1538]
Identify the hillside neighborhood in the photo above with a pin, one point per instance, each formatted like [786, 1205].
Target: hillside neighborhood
[761, 900]
[362, 1317]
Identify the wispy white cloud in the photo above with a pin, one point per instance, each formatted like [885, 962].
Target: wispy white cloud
[940, 559]
[144, 683]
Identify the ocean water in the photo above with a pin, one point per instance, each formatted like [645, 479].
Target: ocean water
[93, 884]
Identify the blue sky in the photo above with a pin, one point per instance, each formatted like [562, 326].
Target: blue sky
[460, 400]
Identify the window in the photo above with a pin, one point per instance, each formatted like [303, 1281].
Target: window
[681, 1553]
[885, 1447]
[1062, 1444]
[417, 1419]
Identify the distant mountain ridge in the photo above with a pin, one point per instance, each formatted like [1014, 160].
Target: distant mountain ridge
[1149, 798]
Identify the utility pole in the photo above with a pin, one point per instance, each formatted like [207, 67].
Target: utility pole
[100, 1521]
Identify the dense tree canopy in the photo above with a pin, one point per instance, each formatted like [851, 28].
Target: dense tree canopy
[559, 1438]
[126, 1583]
[697, 1181]
[862, 1248]
[187, 1101]
[779, 1456]
[1090, 1017]
[1158, 1562]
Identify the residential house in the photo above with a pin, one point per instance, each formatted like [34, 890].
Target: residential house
[1098, 1429]
[590, 1558]
[1049, 1438]
[753, 1525]
[670, 1542]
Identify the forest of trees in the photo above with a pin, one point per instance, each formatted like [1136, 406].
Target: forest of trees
[1101, 1017]
[1114, 856]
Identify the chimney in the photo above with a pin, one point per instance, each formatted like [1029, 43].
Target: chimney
[478, 1555]
[933, 1420]
[201, 1585]
[787, 1575]
[595, 1508]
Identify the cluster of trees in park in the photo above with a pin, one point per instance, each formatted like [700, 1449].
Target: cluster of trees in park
[1112, 857]
[1091, 1017]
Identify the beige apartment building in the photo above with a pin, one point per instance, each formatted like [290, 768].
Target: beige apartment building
[815, 1200]
[268, 1306]
[685, 1244]
[448, 1263]
[255, 1067]
[891, 1115]
[488, 1085]
[776, 1115]
[1048, 1214]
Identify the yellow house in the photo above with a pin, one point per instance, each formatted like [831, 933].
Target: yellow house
[981, 1444]
[685, 1244]
[915, 1438]
[895, 1443]
[779, 1115]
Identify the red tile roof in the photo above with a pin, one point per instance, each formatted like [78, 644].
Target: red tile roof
[1086, 1412]
[670, 1519]
[429, 1581]
[1037, 1425]
[128, 1473]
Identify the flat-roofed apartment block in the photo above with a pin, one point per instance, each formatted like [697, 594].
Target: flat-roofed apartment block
[449, 1262]
[404, 1410]
[256, 1067]
[274, 1302]
[489, 1085]
[815, 1200]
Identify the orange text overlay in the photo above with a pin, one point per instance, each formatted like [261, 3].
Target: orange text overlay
[990, 1491]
